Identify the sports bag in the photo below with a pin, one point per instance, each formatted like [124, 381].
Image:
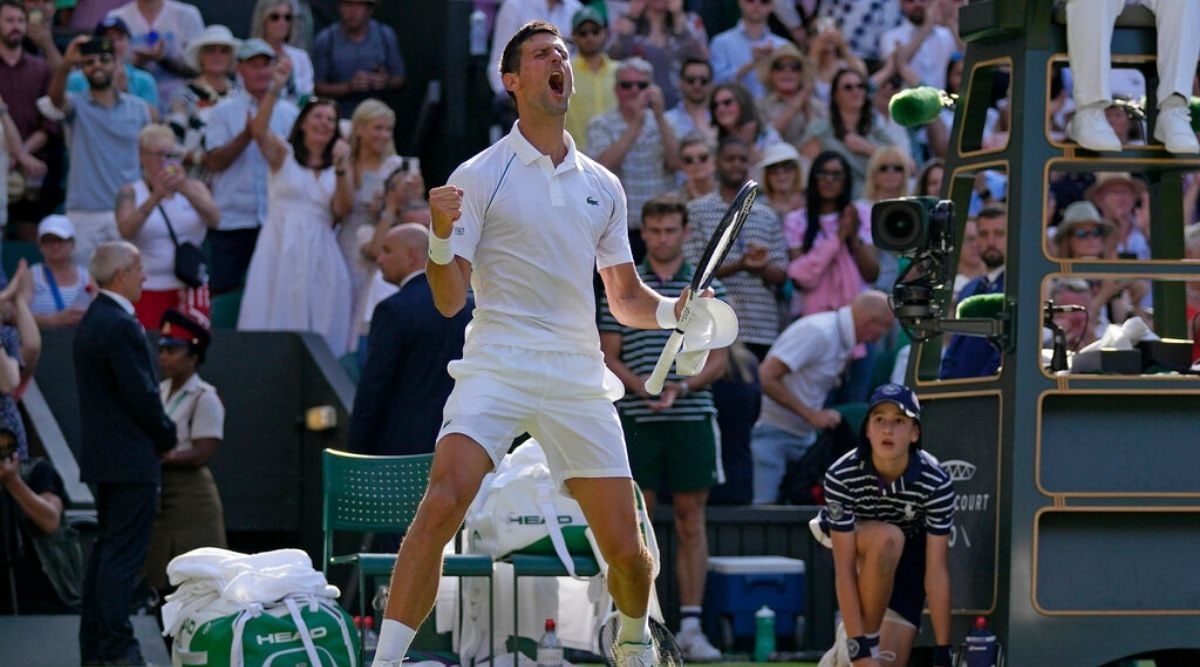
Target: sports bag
[297, 631]
[520, 509]
[270, 609]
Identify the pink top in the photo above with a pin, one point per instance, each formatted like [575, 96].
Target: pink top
[826, 275]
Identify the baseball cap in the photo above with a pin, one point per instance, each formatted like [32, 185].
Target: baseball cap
[583, 16]
[254, 47]
[111, 23]
[57, 225]
[898, 395]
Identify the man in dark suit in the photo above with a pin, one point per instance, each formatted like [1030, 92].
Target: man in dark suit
[125, 431]
[974, 356]
[404, 384]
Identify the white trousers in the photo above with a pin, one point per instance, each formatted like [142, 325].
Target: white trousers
[1089, 45]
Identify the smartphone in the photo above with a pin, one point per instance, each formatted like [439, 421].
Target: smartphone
[173, 165]
[1127, 255]
[412, 165]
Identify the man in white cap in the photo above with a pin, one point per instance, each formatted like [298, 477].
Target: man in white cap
[1089, 45]
[61, 287]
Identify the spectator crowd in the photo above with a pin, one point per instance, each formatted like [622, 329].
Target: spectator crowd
[265, 169]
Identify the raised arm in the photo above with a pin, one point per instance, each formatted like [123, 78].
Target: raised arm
[58, 80]
[273, 147]
[449, 281]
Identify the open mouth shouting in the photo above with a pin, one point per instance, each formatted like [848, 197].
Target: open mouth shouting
[557, 82]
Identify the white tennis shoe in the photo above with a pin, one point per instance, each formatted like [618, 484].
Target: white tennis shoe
[696, 647]
[1090, 129]
[1174, 129]
[630, 654]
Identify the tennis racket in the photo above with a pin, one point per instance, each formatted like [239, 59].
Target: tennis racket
[669, 652]
[714, 255]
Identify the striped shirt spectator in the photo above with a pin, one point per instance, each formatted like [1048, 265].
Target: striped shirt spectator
[921, 500]
[752, 300]
[645, 162]
[640, 349]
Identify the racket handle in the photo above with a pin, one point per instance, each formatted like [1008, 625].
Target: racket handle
[654, 384]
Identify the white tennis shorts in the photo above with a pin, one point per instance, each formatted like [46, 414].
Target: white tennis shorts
[564, 400]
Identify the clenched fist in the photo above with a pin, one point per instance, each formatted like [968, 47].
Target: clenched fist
[445, 207]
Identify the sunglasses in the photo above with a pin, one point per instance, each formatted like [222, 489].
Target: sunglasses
[784, 66]
[896, 168]
[761, 2]
[852, 86]
[696, 159]
[696, 80]
[630, 85]
[279, 17]
[1093, 233]
[726, 102]
[829, 175]
[588, 32]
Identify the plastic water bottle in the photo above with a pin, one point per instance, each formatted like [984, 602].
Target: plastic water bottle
[479, 33]
[982, 649]
[549, 650]
[370, 637]
[764, 634]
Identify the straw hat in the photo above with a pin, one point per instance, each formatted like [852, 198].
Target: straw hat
[784, 51]
[213, 35]
[1080, 213]
[1107, 179]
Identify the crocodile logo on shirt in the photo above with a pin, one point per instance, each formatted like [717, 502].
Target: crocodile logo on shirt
[593, 202]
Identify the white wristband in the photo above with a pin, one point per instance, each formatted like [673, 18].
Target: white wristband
[665, 314]
[439, 250]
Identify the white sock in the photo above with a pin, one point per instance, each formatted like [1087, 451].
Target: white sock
[394, 640]
[689, 624]
[634, 630]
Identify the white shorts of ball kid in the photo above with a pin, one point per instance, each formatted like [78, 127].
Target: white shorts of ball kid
[563, 399]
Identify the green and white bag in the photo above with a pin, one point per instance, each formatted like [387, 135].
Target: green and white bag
[299, 631]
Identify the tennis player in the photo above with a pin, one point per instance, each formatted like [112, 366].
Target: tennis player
[524, 223]
[889, 510]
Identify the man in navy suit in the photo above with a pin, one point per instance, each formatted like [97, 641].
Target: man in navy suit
[124, 432]
[974, 356]
[404, 384]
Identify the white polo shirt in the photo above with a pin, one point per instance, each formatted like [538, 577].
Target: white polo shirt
[815, 349]
[533, 233]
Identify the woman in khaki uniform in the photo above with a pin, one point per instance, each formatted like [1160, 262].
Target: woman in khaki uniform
[190, 513]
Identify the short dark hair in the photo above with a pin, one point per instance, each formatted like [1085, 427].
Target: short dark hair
[665, 204]
[510, 60]
[15, 4]
[688, 62]
[992, 212]
[731, 140]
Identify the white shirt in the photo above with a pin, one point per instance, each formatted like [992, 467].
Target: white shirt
[932, 57]
[241, 190]
[154, 240]
[302, 72]
[816, 350]
[515, 13]
[196, 410]
[176, 25]
[533, 233]
[124, 303]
